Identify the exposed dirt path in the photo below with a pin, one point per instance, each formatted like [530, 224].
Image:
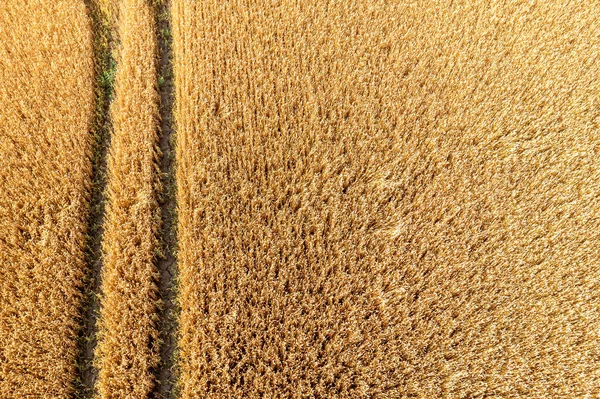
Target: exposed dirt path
[166, 263]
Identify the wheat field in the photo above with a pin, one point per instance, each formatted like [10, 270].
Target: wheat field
[128, 349]
[380, 199]
[46, 109]
[371, 199]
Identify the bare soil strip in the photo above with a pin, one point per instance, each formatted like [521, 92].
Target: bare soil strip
[166, 263]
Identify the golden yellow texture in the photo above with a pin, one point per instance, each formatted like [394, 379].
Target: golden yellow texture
[128, 347]
[388, 199]
[46, 110]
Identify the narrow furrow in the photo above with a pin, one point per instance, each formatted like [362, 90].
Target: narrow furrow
[166, 262]
[105, 70]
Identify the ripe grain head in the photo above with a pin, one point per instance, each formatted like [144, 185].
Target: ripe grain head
[46, 106]
[127, 349]
[381, 199]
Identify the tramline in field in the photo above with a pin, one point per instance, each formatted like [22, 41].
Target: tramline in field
[373, 199]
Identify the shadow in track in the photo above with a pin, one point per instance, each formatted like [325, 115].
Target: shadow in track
[164, 373]
[105, 66]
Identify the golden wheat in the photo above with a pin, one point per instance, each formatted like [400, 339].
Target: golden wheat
[46, 109]
[387, 199]
[127, 349]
